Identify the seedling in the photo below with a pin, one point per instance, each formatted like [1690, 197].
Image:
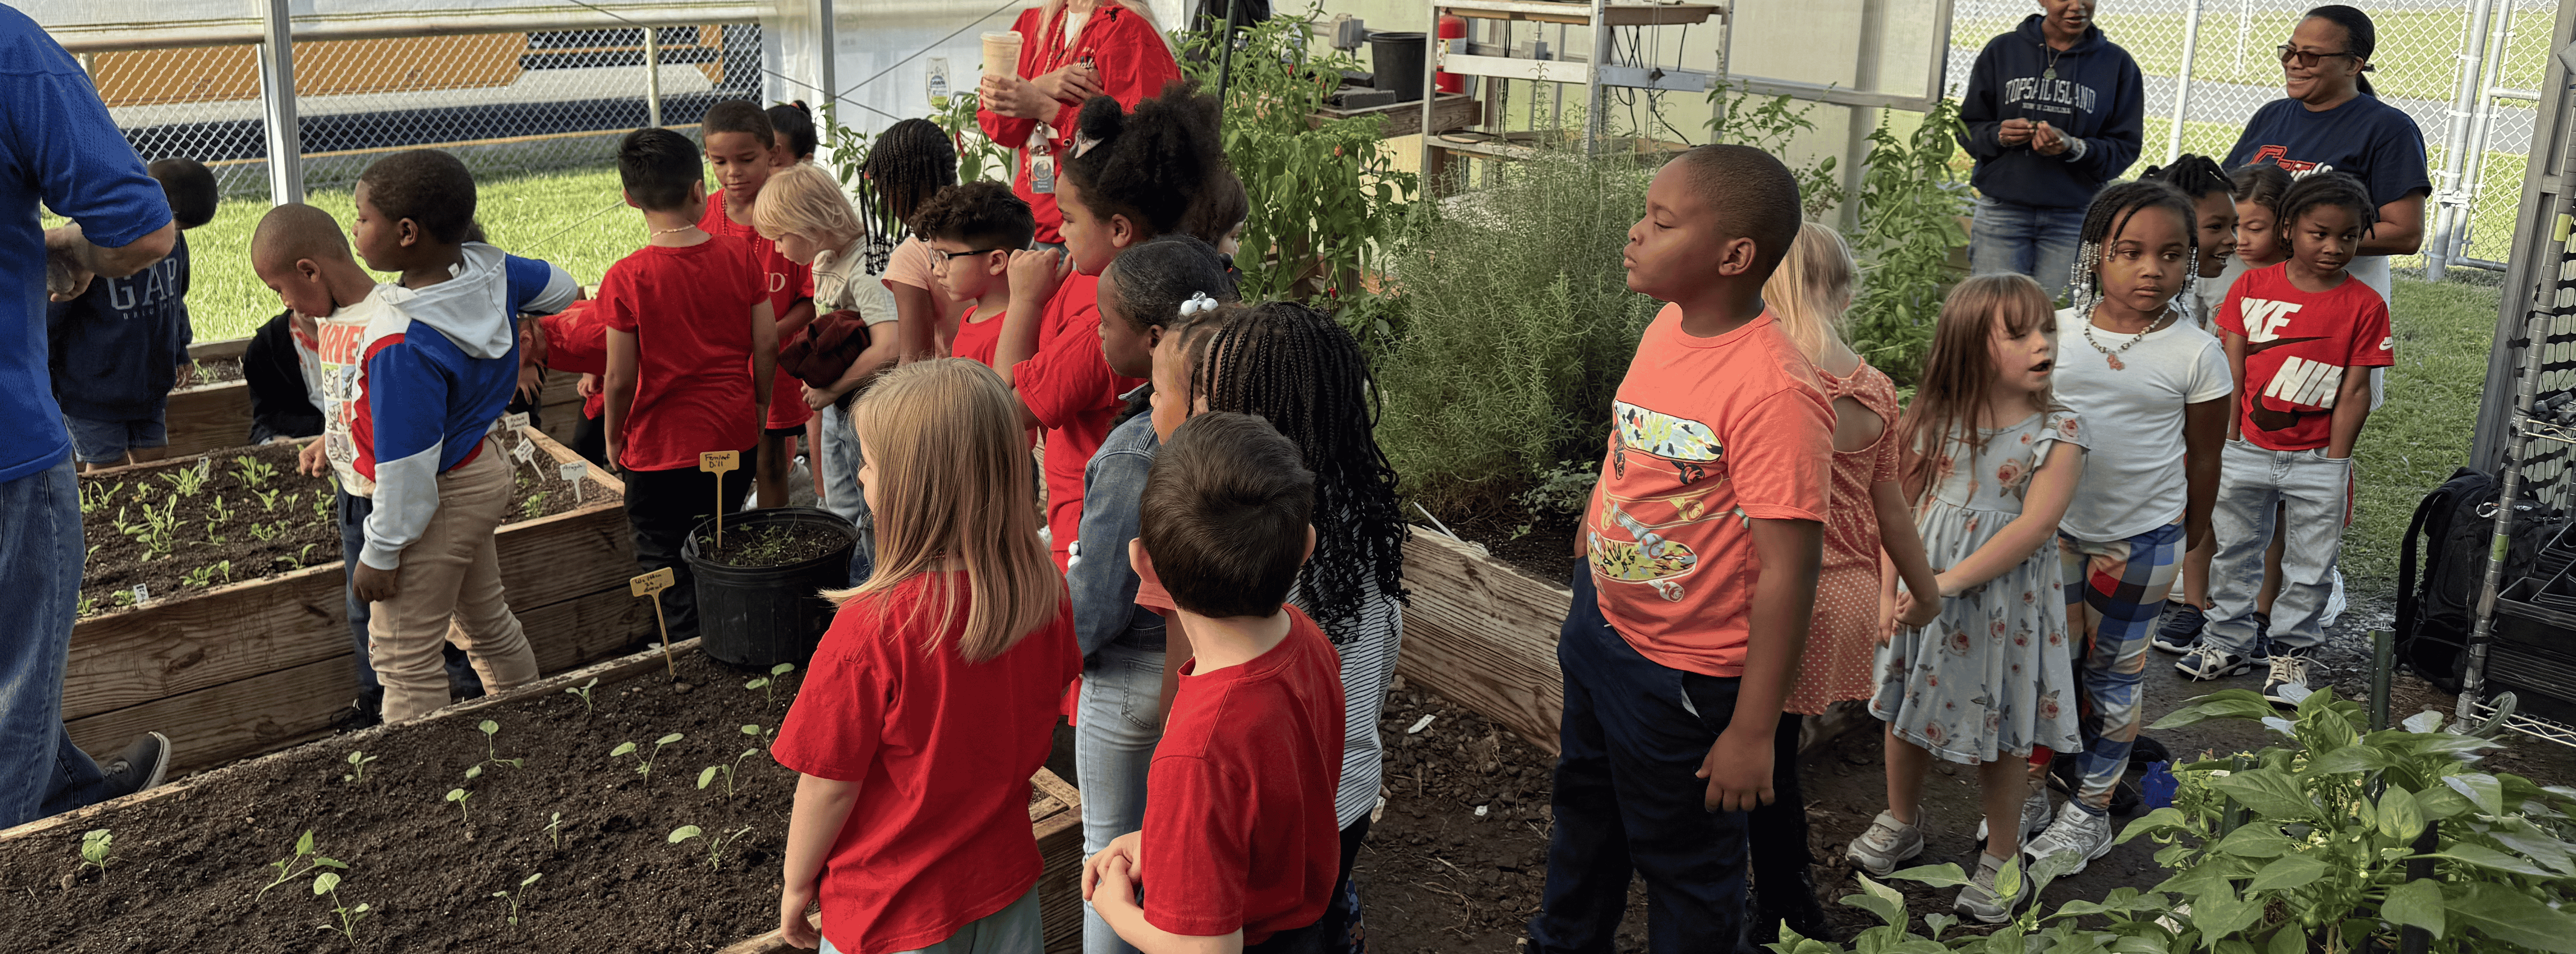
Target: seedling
[253, 471]
[554, 829]
[328, 883]
[768, 684]
[357, 766]
[490, 729]
[583, 691]
[534, 506]
[515, 898]
[187, 480]
[88, 605]
[643, 762]
[264, 532]
[288, 870]
[222, 510]
[95, 845]
[267, 499]
[204, 576]
[322, 506]
[305, 555]
[708, 774]
[715, 843]
[459, 796]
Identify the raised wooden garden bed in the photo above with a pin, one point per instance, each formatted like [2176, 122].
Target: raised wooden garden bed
[206, 417]
[190, 858]
[243, 668]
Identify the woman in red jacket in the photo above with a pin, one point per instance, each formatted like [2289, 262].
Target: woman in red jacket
[1071, 50]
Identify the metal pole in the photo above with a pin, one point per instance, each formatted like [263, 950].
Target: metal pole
[2517, 446]
[2182, 80]
[277, 97]
[2455, 143]
[2481, 129]
[653, 76]
[827, 52]
[1225, 54]
[1601, 44]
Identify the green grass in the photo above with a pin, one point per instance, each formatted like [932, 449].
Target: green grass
[572, 218]
[2414, 441]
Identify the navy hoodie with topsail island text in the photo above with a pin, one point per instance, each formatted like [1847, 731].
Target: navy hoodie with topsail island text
[2095, 95]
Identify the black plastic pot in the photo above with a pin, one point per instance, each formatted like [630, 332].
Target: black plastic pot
[758, 617]
[1396, 59]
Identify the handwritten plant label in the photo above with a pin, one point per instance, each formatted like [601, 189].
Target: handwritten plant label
[525, 452]
[515, 422]
[647, 584]
[572, 473]
[719, 462]
[141, 593]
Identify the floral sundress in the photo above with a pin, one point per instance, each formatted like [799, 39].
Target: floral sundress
[1992, 676]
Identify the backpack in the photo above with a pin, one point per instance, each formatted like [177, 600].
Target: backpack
[2448, 541]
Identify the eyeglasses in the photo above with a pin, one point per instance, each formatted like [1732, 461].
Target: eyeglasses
[2303, 59]
[946, 257]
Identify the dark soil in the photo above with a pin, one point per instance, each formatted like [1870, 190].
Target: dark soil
[188, 868]
[207, 548]
[1541, 546]
[771, 544]
[211, 371]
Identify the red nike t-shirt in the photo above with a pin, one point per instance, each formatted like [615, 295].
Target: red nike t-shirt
[942, 750]
[1069, 387]
[787, 283]
[1240, 830]
[690, 311]
[2297, 345]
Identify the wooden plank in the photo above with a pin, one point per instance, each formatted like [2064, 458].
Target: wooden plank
[1450, 111]
[211, 350]
[132, 657]
[208, 417]
[1483, 635]
[567, 554]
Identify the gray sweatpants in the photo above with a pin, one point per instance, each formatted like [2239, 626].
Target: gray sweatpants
[2314, 491]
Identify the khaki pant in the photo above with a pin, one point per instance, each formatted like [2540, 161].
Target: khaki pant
[450, 591]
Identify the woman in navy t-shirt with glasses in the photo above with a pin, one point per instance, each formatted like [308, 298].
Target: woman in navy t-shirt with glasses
[2330, 120]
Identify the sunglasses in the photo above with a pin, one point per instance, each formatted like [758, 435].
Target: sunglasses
[2304, 59]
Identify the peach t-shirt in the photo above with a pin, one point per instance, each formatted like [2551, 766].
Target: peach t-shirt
[1707, 434]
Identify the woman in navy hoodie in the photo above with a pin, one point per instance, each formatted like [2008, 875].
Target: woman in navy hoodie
[2053, 112]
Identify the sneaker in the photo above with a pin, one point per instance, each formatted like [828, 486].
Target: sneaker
[2180, 630]
[2287, 683]
[2034, 817]
[2147, 751]
[2065, 775]
[2206, 661]
[137, 768]
[2076, 832]
[1977, 898]
[1887, 844]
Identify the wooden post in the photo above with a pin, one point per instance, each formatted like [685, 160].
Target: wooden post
[719, 463]
[651, 585]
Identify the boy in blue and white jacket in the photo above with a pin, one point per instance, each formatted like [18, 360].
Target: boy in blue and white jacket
[410, 378]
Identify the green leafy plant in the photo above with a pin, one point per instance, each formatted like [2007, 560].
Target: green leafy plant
[95, 849]
[268, 499]
[1326, 202]
[1771, 123]
[643, 760]
[491, 752]
[357, 766]
[554, 829]
[252, 471]
[322, 506]
[303, 862]
[767, 684]
[186, 481]
[583, 691]
[728, 769]
[515, 897]
[88, 605]
[534, 506]
[204, 576]
[264, 532]
[715, 844]
[328, 883]
[1910, 203]
[223, 511]
[459, 796]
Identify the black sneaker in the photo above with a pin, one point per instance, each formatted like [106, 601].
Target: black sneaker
[2180, 630]
[2147, 751]
[137, 768]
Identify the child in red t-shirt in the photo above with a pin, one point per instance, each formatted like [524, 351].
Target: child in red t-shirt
[936, 686]
[2301, 337]
[743, 147]
[1141, 175]
[692, 348]
[972, 230]
[1240, 843]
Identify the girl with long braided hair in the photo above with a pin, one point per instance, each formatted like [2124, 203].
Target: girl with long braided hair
[2130, 361]
[906, 165]
[1296, 368]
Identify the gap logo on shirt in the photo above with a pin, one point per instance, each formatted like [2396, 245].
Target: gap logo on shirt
[156, 284]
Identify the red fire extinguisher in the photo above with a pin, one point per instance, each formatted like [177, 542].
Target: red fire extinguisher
[1451, 28]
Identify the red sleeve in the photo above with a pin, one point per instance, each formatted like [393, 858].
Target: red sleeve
[1011, 131]
[839, 714]
[577, 339]
[614, 310]
[1196, 849]
[1068, 376]
[2373, 344]
[1783, 451]
[1135, 63]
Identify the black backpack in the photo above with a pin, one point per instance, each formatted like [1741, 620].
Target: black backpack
[2454, 527]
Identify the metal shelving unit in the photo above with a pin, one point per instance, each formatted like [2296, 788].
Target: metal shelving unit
[1496, 61]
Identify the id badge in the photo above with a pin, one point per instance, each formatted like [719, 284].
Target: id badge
[1042, 173]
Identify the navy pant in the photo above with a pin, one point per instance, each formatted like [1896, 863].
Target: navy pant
[1626, 800]
[352, 512]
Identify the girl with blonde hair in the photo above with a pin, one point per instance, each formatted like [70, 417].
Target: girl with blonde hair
[803, 210]
[938, 686]
[1869, 544]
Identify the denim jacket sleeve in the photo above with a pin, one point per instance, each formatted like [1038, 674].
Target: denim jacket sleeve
[1102, 582]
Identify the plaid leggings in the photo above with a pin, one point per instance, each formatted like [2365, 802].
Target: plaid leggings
[2113, 592]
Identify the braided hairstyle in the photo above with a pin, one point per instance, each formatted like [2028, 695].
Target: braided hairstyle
[2112, 209]
[910, 162]
[1295, 367]
[1152, 165]
[2328, 188]
[2197, 176]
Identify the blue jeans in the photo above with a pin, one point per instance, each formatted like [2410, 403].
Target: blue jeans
[1017, 929]
[2025, 240]
[839, 459]
[2313, 493]
[351, 513]
[102, 441]
[1626, 800]
[1112, 749]
[41, 772]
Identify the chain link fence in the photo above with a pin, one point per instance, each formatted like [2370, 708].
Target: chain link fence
[2211, 63]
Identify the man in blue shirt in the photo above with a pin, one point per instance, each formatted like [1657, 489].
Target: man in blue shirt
[57, 145]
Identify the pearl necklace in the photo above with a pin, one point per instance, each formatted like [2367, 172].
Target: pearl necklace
[2111, 356]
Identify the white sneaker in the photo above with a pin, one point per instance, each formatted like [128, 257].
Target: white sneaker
[2076, 832]
[1977, 898]
[1885, 845]
[2035, 815]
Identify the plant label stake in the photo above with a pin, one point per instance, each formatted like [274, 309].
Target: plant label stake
[141, 594]
[572, 473]
[517, 423]
[651, 585]
[525, 453]
[719, 463]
